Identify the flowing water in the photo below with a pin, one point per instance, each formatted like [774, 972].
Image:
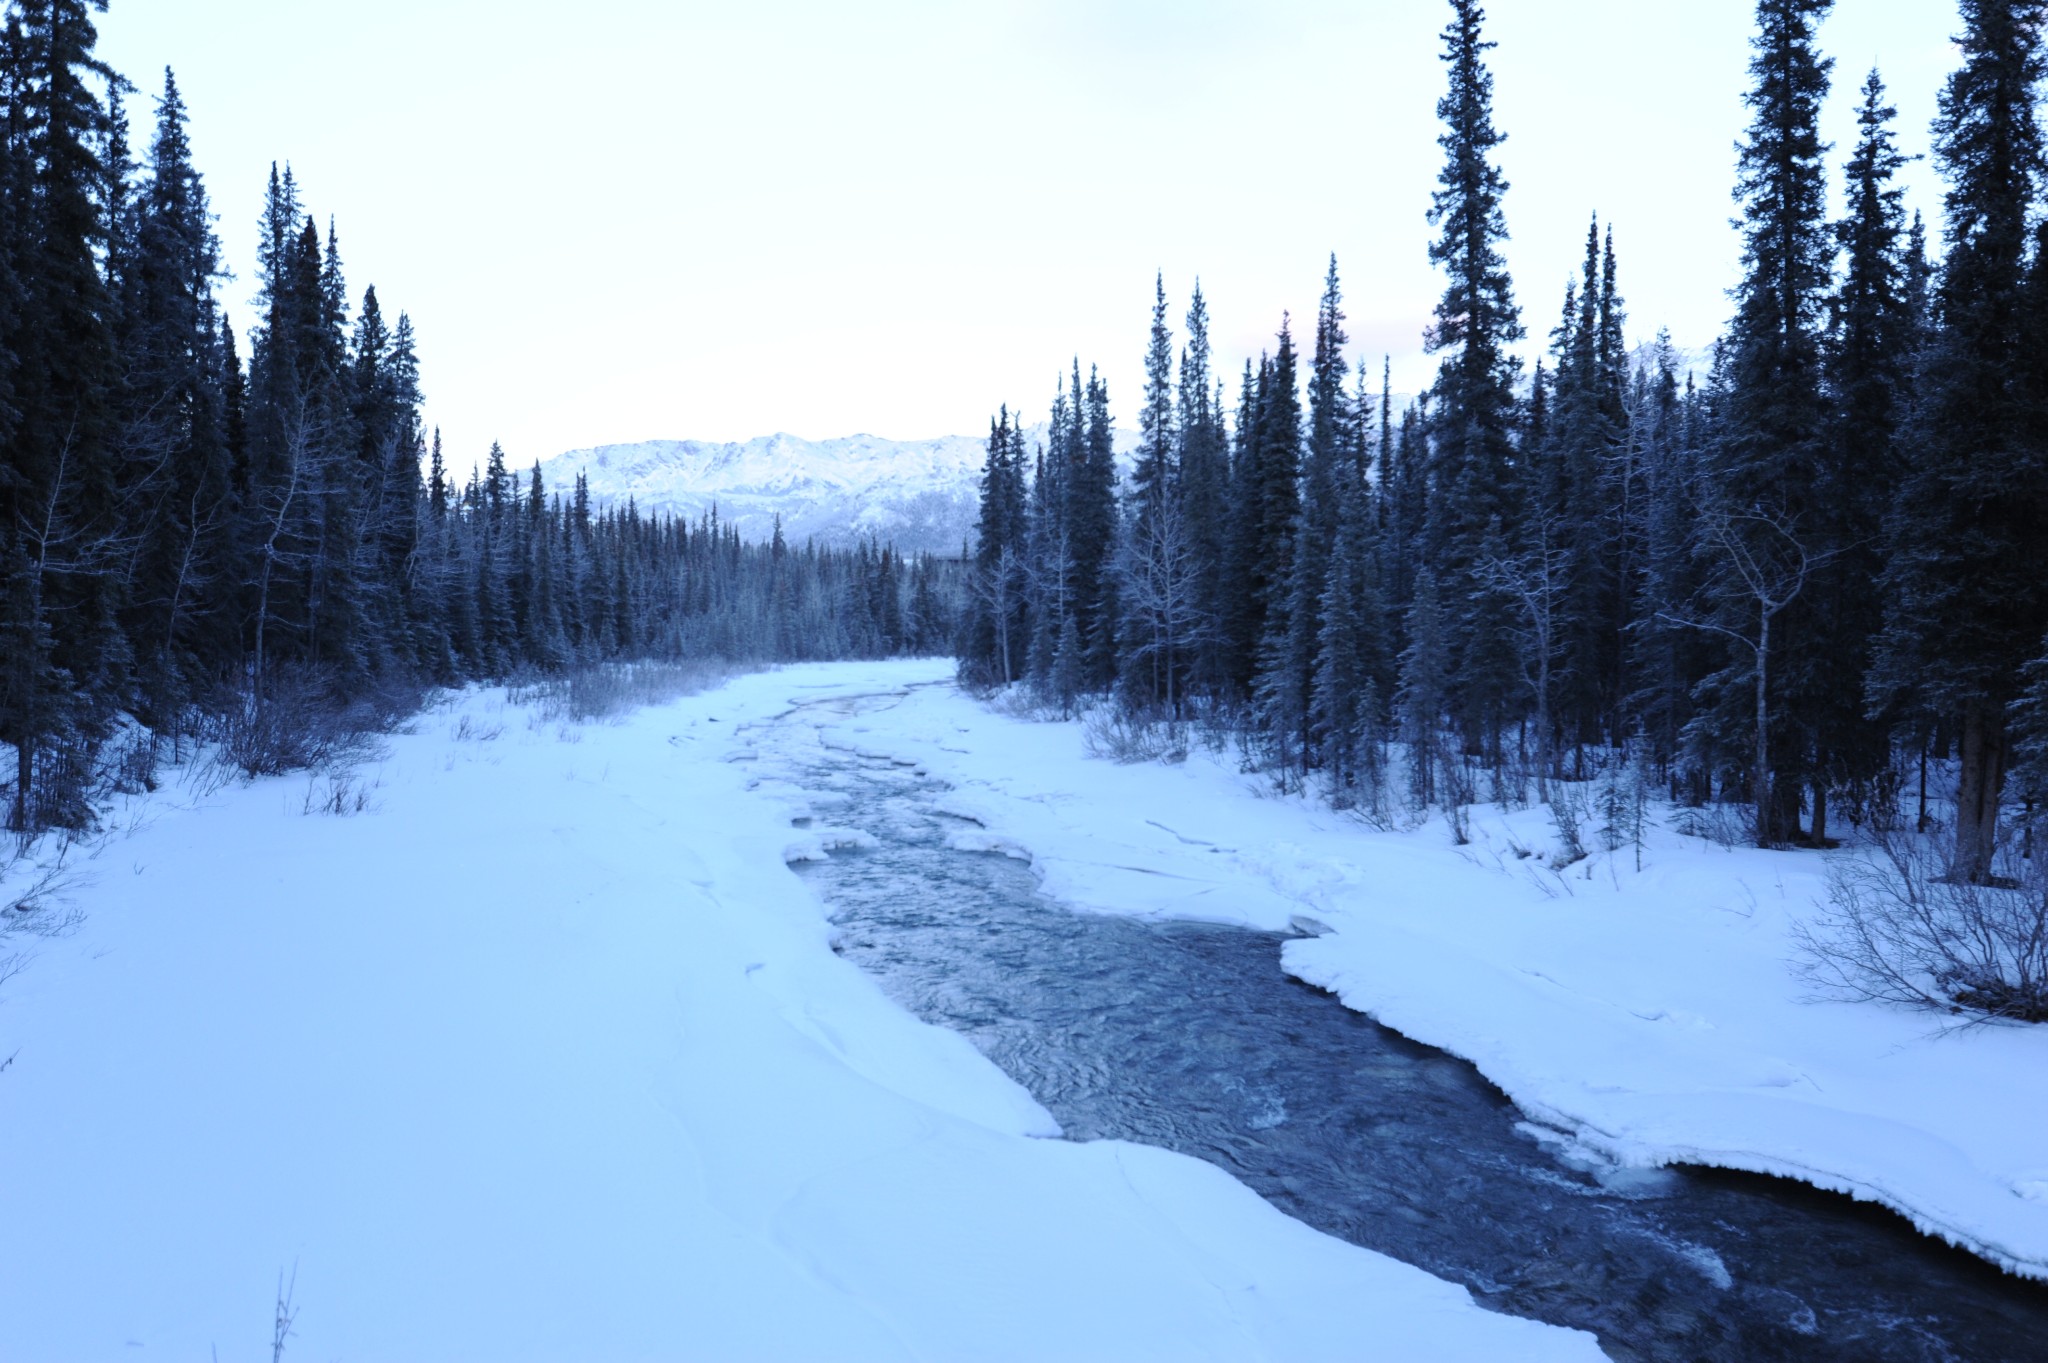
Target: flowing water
[1191, 1037]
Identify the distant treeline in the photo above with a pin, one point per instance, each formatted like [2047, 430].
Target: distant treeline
[1787, 584]
[181, 531]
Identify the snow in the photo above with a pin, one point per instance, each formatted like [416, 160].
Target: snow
[1648, 1018]
[545, 1055]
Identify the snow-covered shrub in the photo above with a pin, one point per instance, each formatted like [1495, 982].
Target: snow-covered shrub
[131, 761]
[1725, 825]
[470, 729]
[1112, 733]
[1624, 801]
[1458, 817]
[36, 880]
[1568, 811]
[66, 786]
[342, 793]
[1023, 701]
[1898, 930]
[606, 690]
[295, 724]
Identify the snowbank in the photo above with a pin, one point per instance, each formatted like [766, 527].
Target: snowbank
[1651, 1016]
[546, 1056]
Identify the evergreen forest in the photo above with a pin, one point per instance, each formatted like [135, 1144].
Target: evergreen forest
[205, 535]
[1788, 584]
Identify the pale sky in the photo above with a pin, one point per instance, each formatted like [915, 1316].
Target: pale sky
[634, 219]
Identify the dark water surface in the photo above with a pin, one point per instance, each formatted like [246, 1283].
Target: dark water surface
[1191, 1037]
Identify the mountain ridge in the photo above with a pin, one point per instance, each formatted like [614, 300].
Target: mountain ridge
[920, 495]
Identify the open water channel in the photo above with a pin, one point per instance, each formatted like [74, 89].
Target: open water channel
[1190, 1036]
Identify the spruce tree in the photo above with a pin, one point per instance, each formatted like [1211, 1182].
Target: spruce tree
[1353, 670]
[1762, 536]
[59, 527]
[1966, 600]
[999, 628]
[1329, 464]
[171, 412]
[1153, 477]
[1473, 456]
[1204, 491]
[1242, 609]
[1157, 555]
[1275, 510]
[1869, 356]
[1091, 537]
[1422, 690]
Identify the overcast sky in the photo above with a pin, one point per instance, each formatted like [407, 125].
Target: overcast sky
[629, 219]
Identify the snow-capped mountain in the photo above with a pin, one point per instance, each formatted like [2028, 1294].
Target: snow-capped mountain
[920, 495]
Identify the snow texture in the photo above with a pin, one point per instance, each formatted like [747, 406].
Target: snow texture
[546, 1056]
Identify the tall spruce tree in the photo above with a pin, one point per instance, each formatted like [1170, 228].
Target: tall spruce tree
[1761, 535]
[1869, 357]
[64, 654]
[1476, 321]
[1092, 537]
[1274, 506]
[999, 632]
[178, 474]
[1328, 460]
[1153, 476]
[1966, 600]
[1243, 609]
[1157, 563]
[1204, 492]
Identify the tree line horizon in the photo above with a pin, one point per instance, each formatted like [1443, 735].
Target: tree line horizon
[195, 544]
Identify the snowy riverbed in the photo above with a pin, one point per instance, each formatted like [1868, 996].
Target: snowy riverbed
[545, 1055]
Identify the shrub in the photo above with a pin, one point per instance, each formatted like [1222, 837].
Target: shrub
[1898, 930]
[1121, 737]
[296, 724]
[605, 690]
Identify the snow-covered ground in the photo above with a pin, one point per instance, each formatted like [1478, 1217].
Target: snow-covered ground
[1642, 1018]
[545, 1056]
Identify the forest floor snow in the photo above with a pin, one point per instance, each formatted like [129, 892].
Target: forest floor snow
[1644, 1016]
[544, 1054]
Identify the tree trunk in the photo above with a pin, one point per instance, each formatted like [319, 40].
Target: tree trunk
[1977, 791]
[25, 770]
[1760, 774]
[1820, 814]
[1921, 825]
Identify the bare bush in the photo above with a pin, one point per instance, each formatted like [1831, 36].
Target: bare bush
[297, 724]
[340, 793]
[1568, 811]
[130, 762]
[607, 690]
[1727, 826]
[1458, 818]
[285, 1315]
[1899, 930]
[35, 886]
[470, 729]
[1110, 732]
[1021, 701]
